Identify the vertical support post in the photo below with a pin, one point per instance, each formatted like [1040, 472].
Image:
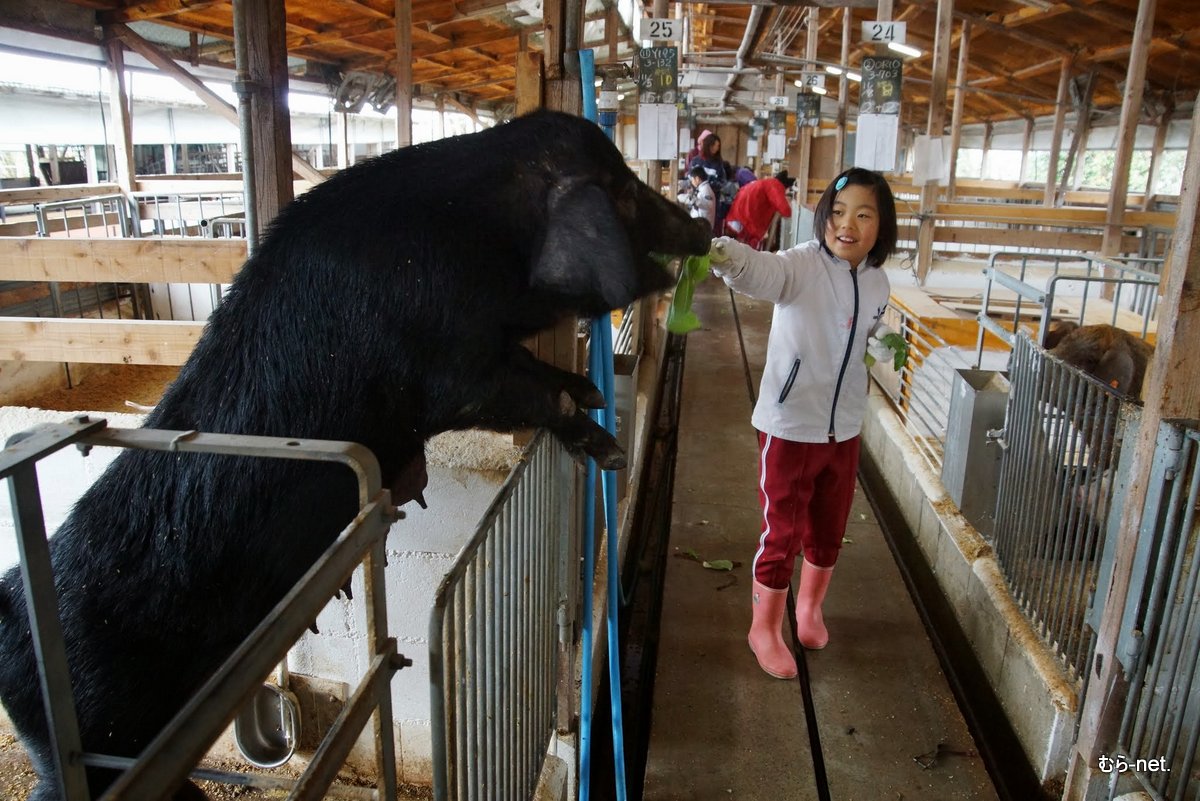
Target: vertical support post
[960, 91]
[1026, 144]
[1060, 116]
[121, 170]
[843, 97]
[1131, 107]
[1160, 141]
[263, 80]
[806, 133]
[404, 73]
[937, 125]
[41, 600]
[1173, 392]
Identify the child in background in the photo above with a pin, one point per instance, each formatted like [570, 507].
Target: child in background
[829, 296]
[700, 200]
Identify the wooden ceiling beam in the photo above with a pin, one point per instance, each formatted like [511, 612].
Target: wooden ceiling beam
[154, 10]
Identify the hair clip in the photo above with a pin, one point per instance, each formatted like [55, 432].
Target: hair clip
[841, 184]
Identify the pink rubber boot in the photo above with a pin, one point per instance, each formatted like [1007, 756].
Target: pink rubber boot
[810, 625]
[766, 639]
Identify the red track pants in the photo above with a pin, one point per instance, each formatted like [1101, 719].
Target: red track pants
[805, 490]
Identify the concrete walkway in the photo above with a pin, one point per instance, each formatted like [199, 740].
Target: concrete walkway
[888, 725]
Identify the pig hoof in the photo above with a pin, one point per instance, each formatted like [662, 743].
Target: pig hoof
[614, 461]
[591, 398]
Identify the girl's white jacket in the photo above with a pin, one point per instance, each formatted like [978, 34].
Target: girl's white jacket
[814, 384]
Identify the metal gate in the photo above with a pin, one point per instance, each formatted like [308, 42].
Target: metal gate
[1061, 441]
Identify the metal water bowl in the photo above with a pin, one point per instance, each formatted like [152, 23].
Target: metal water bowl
[267, 728]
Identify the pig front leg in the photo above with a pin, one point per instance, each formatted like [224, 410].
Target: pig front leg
[523, 392]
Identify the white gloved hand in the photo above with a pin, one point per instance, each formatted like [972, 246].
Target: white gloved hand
[877, 351]
[718, 251]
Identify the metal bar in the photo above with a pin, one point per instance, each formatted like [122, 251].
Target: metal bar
[41, 602]
[187, 737]
[354, 456]
[338, 742]
[257, 781]
[380, 644]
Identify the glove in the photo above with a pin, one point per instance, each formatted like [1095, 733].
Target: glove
[889, 346]
[718, 251]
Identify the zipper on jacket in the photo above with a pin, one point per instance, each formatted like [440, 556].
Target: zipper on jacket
[837, 390]
[791, 379]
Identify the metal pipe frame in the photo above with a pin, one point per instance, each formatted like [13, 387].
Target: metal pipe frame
[170, 756]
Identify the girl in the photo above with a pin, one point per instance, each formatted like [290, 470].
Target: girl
[700, 201]
[829, 295]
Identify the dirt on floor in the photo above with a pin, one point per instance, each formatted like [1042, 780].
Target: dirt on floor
[108, 389]
[17, 779]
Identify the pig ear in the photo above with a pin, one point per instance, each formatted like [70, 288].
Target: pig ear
[1115, 368]
[586, 253]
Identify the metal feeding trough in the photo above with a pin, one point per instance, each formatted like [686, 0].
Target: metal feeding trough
[267, 728]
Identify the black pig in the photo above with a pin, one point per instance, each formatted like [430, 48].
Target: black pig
[384, 306]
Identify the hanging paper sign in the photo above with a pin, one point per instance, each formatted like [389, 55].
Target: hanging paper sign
[880, 92]
[656, 70]
[808, 110]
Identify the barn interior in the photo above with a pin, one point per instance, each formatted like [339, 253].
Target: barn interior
[1020, 570]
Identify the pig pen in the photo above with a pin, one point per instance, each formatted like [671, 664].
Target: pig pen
[466, 469]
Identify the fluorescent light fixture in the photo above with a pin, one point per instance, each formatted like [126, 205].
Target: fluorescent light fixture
[820, 90]
[799, 84]
[904, 49]
[833, 70]
[854, 76]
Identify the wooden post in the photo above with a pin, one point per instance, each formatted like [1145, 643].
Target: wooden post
[1056, 137]
[121, 169]
[1173, 392]
[936, 128]
[1026, 144]
[1160, 140]
[988, 130]
[529, 81]
[1083, 124]
[843, 97]
[806, 133]
[270, 122]
[960, 90]
[404, 73]
[1131, 108]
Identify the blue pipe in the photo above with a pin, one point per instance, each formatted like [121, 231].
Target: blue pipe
[600, 367]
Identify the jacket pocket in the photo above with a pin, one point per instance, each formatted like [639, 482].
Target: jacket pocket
[791, 379]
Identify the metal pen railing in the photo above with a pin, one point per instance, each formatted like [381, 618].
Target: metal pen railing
[920, 391]
[1132, 281]
[1159, 643]
[1061, 443]
[498, 626]
[171, 756]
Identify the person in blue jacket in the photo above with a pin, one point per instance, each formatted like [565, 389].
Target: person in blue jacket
[830, 295]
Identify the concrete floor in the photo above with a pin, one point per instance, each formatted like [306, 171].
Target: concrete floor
[888, 724]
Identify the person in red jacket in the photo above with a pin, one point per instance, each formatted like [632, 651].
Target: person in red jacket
[755, 206]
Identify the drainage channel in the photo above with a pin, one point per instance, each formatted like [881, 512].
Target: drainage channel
[999, 748]
[642, 577]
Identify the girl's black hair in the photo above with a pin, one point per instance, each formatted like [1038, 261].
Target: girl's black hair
[885, 242]
[698, 172]
[707, 150]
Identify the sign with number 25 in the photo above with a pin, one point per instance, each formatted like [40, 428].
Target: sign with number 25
[649, 28]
